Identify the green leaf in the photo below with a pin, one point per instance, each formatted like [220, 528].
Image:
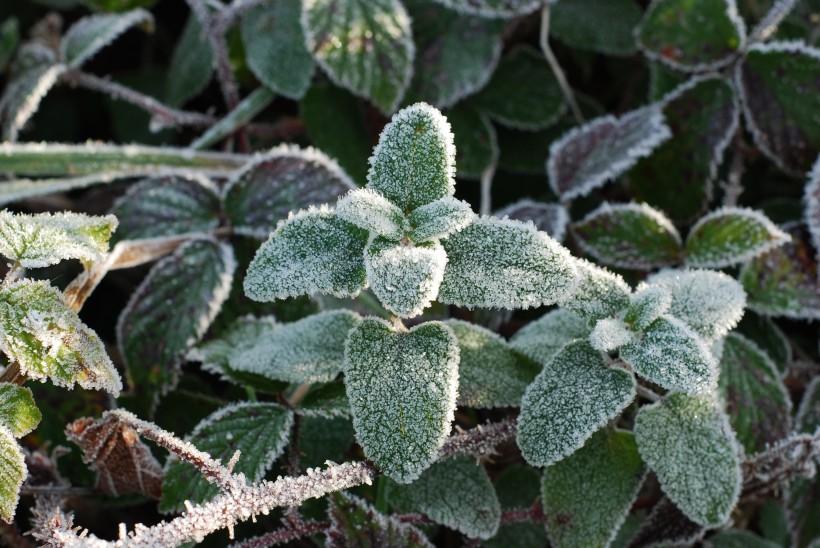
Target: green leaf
[525, 75]
[731, 235]
[588, 156]
[574, 396]
[353, 522]
[692, 35]
[246, 110]
[13, 472]
[500, 263]
[671, 355]
[168, 206]
[599, 293]
[90, 34]
[592, 490]
[808, 415]
[191, 64]
[328, 401]
[663, 80]
[48, 340]
[169, 312]
[439, 219]
[402, 390]
[365, 46]
[689, 444]
[517, 486]
[45, 239]
[549, 218]
[757, 402]
[414, 162]
[307, 351]
[802, 495]
[541, 339]
[649, 303]
[373, 212]
[494, 8]
[738, 538]
[260, 431]
[314, 251]
[36, 73]
[9, 40]
[323, 439]
[603, 26]
[472, 508]
[18, 412]
[475, 139]
[769, 337]
[610, 334]
[776, 83]
[629, 236]
[490, 373]
[285, 179]
[456, 53]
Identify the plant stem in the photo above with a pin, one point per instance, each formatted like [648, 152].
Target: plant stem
[244, 112]
[487, 186]
[556, 67]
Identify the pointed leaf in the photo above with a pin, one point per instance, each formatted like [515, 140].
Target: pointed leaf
[610, 334]
[731, 235]
[18, 412]
[312, 252]
[549, 218]
[603, 26]
[402, 390]
[587, 157]
[758, 405]
[90, 34]
[471, 509]
[649, 303]
[13, 472]
[373, 212]
[494, 8]
[689, 444]
[363, 45]
[592, 490]
[629, 236]
[599, 293]
[490, 373]
[573, 397]
[475, 139]
[353, 522]
[48, 340]
[671, 355]
[439, 219]
[285, 179]
[169, 312]
[505, 264]
[260, 431]
[541, 339]
[191, 64]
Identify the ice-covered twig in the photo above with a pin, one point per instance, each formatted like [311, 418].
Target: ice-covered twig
[791, 458]
[285, 534]
[481, 440]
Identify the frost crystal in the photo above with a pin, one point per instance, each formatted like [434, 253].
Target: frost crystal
[541, 339]
[649, 302]
[609, 334]
[439, 219]
[599, 294]
[13, 471]
[371, 211]
[91, 34]
[18, 412]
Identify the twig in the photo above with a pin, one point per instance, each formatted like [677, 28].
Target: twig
[647, 393]
[481, 440]
[486, 187]
[250, 106]
[791, 458]
[555, 66]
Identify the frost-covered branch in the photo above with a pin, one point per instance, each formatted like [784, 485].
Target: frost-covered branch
[481, 440]
[791, 458]
[285, 534]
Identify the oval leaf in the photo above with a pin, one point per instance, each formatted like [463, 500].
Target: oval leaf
[37, 72]
[373, 212]
[18, 412]
[476, 140]
[541, 339]
[191, 64]
[549, 218]
[91, 34]
[494, 8]
[12, 473]
[599, 294]
[439, 219]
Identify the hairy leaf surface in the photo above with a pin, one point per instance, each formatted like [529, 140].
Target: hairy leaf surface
[18, 412]
[609, 334]
[649, 303]
[13, 472]
[37, 72]
[328, 401]
[439, 219]
[373, 212]
[353, 522]
[90, 34]
[599, 293]
[541, 339]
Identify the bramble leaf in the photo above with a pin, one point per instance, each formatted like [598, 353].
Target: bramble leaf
[402, 390]
[541, 339]
[574, 396]
[609, 334]
[373, 212]
[549, 218]
[505, 264]
[191, 64]
[603, 26]
[327, 401]
[649, 303]
[689, 444]
[36, 73]
[667, 524]
[365, 46]
[48, 340]
[475, 139]
[18, 412]
[13, 472]
[494, 8]
[260, 431]
[439, 219]
[593, 489]
[314, 251]
[353, 522]
[324, 439]
[731, 235]
[90, 34]
[599, 293]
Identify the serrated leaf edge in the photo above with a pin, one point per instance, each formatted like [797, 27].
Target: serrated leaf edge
[124, 22]
[563, 216]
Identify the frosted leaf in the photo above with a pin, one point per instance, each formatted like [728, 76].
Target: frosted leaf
[549, 218]
[328, 401]
[808, 414]
[167, 206]
[275, 47]
[191, 64]
[541, 339]
[322, 439]
[169, 312]
[518, 486]
[9, 40]
[666, 525]
[475, 138]
[604, 26]
[709, 302]
[306, 351]
[402, 390]
[812, 201]
[45, 239]
[371, 211]
[354, 522]
[673, 356]
[629, 236]
[609, 334]
[587, 157]
[365, 46]
[649, 303]
[739, 538]
[592, 490]
[415, 161]
[260, 431]
[90, 34]
[575, 395]
[498, 263]
[599, 293]
[48, 340]
[439, 219]
[18, 412]
[769, 337]
[286, 179]
[454, 492]
[689, 444]
[506, 9]
[757, 402]
[490, 373]
[314, 251]
[801, 496]
[405, 278]
[13, 472]
[731, 235]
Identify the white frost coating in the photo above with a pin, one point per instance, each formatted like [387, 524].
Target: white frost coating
[371, 211]
[649, 302]
[405, 278]
[812, 201]
[35, 89]
[710, 302]
[808, 414]
[439, 219]
[609, 334]
[588, 156]
[753, 234]
[506, 9]
[13, 470]
[599, 294]
[541, 339]
[215, 355]
[45, 239]
[91, 34]
[550, 218]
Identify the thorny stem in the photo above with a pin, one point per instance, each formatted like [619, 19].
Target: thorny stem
[556, 67]
[285, 534]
